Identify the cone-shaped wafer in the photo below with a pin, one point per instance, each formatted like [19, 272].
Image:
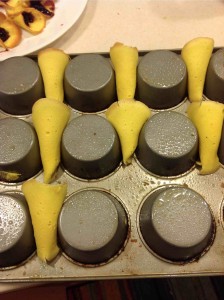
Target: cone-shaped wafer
[207, 117]
[52, 63]
[125, 61]
[128, 116]
[45, 202]
[196, 55]
[50, 118]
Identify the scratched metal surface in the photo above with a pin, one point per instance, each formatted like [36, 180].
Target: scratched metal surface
[131, 184]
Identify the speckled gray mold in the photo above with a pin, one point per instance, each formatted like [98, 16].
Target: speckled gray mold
[176, 223]
[92, 227]
[17, 242]
[162, 79]
[214, 82]
[21, 85]
[90, 147]
[89, 83]
[168, 144]
[19, 148]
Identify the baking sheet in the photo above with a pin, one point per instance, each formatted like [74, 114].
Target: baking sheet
[131, 184]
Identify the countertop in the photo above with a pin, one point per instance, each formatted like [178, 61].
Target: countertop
[144, 24]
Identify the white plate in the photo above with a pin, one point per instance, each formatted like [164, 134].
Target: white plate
[67, 12]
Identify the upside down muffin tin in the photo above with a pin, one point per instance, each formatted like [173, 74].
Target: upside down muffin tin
[155, 217]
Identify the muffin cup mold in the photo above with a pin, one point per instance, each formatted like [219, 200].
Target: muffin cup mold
[19, 147]
[176, 224]
[17, 242]
[89, 83]
[92, 227]
[131, 186]
[161, 79]
[214, 82]
[90, 147]
[168, 144]
[21, 85]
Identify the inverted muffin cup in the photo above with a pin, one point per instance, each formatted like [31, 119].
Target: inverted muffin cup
[214, 82]
[90, 147]
[176, 224]
[17, 242]
[21, 85]
[19, 147]
[168, 144]
[93, 227]
[161, 79]
[89, 83]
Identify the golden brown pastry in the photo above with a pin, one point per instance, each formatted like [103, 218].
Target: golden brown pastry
[10, 33]
[30, 20]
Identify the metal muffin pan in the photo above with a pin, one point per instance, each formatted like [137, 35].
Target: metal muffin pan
[130, 185]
